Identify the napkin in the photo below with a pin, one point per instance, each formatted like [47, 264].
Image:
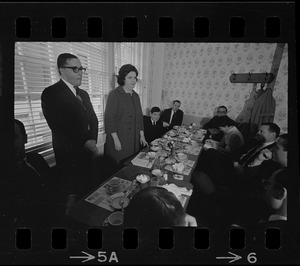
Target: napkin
[178, 167]
[186, 140]
[178, 190]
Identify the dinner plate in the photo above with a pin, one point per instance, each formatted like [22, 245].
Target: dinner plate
[170, 161]
[116, 202]
[182, 159]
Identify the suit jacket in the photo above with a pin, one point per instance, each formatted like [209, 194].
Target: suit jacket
[152, 132]
[176, 119]
[71, 121]
[250, 156]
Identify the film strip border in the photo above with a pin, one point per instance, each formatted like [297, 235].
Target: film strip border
[269, 237]
[188, 245]
[149, 22]
[264, 22]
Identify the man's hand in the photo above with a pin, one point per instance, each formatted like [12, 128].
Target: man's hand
[118, 145]
[190, 220]
[91, 146]
[209, 143]
[165, 124]
[143, 141]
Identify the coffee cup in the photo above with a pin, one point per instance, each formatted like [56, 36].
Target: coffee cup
[114, 185]
[115, 219]
[143, 180]
[154, 181]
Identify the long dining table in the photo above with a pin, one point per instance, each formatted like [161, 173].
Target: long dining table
[94, 208]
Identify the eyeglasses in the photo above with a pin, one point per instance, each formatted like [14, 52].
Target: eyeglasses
[76, 69]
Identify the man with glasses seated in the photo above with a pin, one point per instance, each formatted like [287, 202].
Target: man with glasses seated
[212, 126]
[73, 122]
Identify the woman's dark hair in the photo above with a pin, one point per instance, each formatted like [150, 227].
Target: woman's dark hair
[124, 70]
[62, 59]
[152, 208]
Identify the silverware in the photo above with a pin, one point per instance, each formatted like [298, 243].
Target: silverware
[121, 202]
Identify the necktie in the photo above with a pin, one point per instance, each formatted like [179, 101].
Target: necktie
[154, 124]
[171, 117]
[251, 155]
[77, 93]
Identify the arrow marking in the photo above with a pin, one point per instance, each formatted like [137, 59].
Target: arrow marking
[87, 258]
[236, 257]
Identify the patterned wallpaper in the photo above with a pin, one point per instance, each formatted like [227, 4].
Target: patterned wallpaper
[198, 74]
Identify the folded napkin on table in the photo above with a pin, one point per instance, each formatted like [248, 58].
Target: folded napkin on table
[178, 190]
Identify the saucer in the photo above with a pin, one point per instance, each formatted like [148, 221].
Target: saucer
[116, 202]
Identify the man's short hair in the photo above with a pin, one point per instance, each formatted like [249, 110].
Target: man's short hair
[283, 141]
[22, 127]
[176, 101]
[222, 106]
[272, 128]
[154, 109]
[62, 59]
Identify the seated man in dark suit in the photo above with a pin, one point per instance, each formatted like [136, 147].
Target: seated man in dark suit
[31, 196]
[172, 116]
[249, 203]
[212, 126]
[222, 171]
[153, 126]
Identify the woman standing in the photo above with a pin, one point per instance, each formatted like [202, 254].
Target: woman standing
[123, 117]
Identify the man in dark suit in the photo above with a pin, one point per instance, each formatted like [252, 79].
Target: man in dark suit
[172, 116]
[222, 171]
[28, 187]
[153, 126]
[213, 124]
[71, 117]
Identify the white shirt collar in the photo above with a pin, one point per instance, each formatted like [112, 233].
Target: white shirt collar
[267, 143]
[71, 87]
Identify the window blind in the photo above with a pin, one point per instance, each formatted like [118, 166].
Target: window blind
[130, 53]
[35, 69]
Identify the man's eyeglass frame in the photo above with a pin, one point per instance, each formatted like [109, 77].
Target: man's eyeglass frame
[76, 69]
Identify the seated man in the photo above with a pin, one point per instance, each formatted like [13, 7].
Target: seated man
[249, 202]
[172, 116]
[223, 172]
[212, 126]
[266, 136]
[153, 126]
[231, 141]
[33, 198]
